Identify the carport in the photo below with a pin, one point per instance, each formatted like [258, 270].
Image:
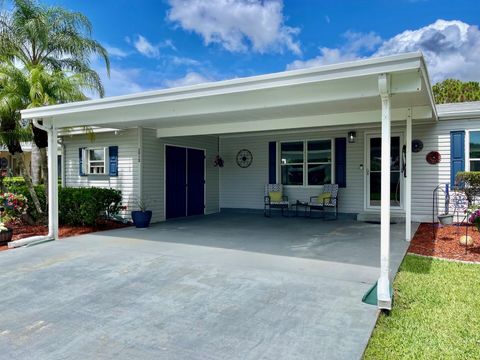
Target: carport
[205, 287]
[373, 91]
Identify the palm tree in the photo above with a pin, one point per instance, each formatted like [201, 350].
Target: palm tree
[51, 48]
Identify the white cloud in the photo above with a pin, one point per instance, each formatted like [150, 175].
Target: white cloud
[116, 52]
[191, 78]
[237, 25]
[179, 60]
[451, 49]
[145, 47]
[355, 43]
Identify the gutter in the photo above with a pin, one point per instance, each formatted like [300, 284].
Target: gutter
[50, 236]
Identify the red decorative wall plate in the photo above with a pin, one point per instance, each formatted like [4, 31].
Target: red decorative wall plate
[433, 157]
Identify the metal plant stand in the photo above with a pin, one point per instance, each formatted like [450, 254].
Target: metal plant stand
[441, 190]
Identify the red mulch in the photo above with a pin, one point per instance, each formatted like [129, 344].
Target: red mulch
[21, 231]
[447, 244]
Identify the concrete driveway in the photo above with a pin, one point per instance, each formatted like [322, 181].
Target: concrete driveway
[230, 286]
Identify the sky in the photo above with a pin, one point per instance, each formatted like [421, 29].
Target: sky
[157, 44]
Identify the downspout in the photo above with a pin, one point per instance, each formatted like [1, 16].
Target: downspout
[52, 191]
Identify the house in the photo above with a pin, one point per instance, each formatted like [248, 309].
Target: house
[343, 123]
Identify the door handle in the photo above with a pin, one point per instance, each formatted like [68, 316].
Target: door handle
[368, 171]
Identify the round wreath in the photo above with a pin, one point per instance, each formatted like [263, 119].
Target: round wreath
[433, 157]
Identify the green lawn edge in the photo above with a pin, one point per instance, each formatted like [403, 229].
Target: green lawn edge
[436, 314]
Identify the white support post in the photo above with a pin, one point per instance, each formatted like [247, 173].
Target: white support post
[408, 179]
[53, 183]
[383, 285]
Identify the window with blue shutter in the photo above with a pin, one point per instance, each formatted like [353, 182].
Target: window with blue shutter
[457, 154]
[113, 160]
[341, 162]
[272, 162]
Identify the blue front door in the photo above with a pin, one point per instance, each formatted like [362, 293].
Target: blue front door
[184, 182]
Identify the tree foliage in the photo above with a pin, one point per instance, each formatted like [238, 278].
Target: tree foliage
[45, 59]
[453, 91]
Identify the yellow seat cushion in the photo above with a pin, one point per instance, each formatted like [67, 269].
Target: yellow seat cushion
[323, 196]
[275, 196]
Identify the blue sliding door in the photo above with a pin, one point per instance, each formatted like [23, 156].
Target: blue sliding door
[184, 182]
[195, 182]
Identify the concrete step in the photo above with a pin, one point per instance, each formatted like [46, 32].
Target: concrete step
[370, 216]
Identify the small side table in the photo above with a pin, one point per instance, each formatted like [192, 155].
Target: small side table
[298, 205]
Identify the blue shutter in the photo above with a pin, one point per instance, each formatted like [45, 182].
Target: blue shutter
[113, 161]
[457, 154]
[272, 162]
[341, 162]
[80, 162]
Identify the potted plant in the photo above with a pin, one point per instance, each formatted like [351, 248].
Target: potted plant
[6, 234]
[12, 207]
[141, 218]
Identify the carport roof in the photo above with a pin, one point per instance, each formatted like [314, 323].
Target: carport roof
[308, 97]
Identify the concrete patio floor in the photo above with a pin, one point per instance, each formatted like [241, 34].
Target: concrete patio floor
[225, 286]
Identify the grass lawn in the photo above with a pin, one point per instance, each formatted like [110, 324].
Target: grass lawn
[436, 314]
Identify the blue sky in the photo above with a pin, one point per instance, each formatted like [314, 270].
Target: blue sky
[165, 43]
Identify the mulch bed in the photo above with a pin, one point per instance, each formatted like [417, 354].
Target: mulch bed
[22, 231]
[447, 244]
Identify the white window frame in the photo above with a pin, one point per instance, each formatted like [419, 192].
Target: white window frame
[467, 149]
[305, 163]
[88, 162]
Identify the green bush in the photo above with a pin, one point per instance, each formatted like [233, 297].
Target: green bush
[76, 206]
[469, 183]
[13, 181]
[84, 206]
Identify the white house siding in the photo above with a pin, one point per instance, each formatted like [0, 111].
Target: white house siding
[435, 137]
[128, 178]
[153, 169]
[244, 187]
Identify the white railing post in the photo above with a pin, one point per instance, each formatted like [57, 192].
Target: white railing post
[383, 286]
[408, 179]
[53, 182]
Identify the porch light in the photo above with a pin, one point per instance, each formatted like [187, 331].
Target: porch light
[352, 135]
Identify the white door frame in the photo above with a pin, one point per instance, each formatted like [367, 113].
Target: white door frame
[366, 203]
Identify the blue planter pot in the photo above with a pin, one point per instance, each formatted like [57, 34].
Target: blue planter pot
[142, 219]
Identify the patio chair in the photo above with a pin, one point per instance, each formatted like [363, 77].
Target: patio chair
[328, 198]
[274, 198]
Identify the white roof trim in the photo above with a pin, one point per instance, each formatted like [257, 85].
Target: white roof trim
[393, 63]
[464, 110]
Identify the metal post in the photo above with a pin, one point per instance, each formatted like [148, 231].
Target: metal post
[383, 286]
[408, 180]
[53, 182]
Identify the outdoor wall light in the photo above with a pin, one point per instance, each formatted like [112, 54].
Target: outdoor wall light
[352, 135]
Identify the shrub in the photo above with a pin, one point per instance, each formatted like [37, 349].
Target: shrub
[84, 206]
[13, 181]
[469, 183]
[76, 206]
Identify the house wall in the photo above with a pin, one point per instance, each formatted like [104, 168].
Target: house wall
[435, 137]
[235, 187]
[244, 187]
[128, 179]
[153, 154]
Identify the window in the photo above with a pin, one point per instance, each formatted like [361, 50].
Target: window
[96, 161]
[319, 162]
[306, 162]
[474, 150]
